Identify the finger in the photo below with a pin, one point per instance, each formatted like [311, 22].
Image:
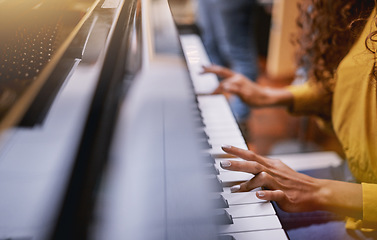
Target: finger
[242, 166]
[218, 90]
[262, 179]
[271, 195]
[246, 154]
[231, 87]
[218, 70]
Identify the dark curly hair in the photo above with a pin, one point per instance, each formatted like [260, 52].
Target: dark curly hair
[328, 29]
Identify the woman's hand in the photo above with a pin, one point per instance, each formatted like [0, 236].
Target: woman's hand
[293, 191]
[251, 93]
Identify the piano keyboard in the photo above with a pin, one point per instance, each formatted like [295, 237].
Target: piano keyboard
[219, 124]
[250, 217]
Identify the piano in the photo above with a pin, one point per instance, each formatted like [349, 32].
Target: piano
[109, 131]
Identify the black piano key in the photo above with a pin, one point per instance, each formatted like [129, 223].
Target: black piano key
[226, 237]
[216, 183]
[222, 217]
[219, 201]
[208, 157]
[211, 169]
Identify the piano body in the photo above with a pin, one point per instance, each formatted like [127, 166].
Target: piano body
[107, 131]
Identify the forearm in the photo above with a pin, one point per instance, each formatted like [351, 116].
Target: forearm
[341, 197]
[278, 97]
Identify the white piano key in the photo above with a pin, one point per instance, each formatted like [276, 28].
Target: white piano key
[213, 102]
[275, 234]
[218, 161]
[313, 160]
[217, 150]
[219, 128]
[241, 198]
[211, 98]
[225, 135]
[251, 224]
[220, 120]
[251, 210]
[220, 142]
[215, 107]
[212, 108]
[196, 56]
[228, 141]
[231, 178]
[208, 113]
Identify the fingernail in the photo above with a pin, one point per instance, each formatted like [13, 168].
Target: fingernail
[260, 194]
[225, 164]
[226, 147]
[235, 188]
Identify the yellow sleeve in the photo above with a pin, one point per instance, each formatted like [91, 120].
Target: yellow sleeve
[369, 205]
[369, 222]
[310, 99]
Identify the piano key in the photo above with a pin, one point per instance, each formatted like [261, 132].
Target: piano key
[219, 201]
[219, 128]
[196, 57]
[218, 152]
[226, 237]
[211, 169]
[251, 224]
[215, 182]
[222, 217]
[251, 210]
[218, 161]
[241, 197]
[231, 178]
[260, 235]
[241, 144]
[228, 141]
[219, 121]
[211, 99]
[217, 108]
[226, 135]
[216, 126]
[213, 114]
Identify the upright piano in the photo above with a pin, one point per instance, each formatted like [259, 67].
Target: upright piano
[109, 131]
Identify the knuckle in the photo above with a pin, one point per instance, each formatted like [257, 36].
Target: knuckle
[258, 167]
[263, 175]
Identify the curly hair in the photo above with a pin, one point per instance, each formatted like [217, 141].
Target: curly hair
[328, 29]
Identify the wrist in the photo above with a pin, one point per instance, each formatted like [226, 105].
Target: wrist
[277, 97]
[323, 198]
[341, 197]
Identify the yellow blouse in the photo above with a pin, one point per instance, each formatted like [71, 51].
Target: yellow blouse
[353, 109]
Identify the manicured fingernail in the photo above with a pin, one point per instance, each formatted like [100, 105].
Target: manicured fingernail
[260, 194]
[225, 164]
[235, 188]
[226, 147]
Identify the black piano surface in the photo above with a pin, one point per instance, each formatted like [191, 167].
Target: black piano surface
[98, 133]
[100, 140]
[34, 37]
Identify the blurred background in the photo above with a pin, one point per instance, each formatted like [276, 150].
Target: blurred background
[272, 130]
